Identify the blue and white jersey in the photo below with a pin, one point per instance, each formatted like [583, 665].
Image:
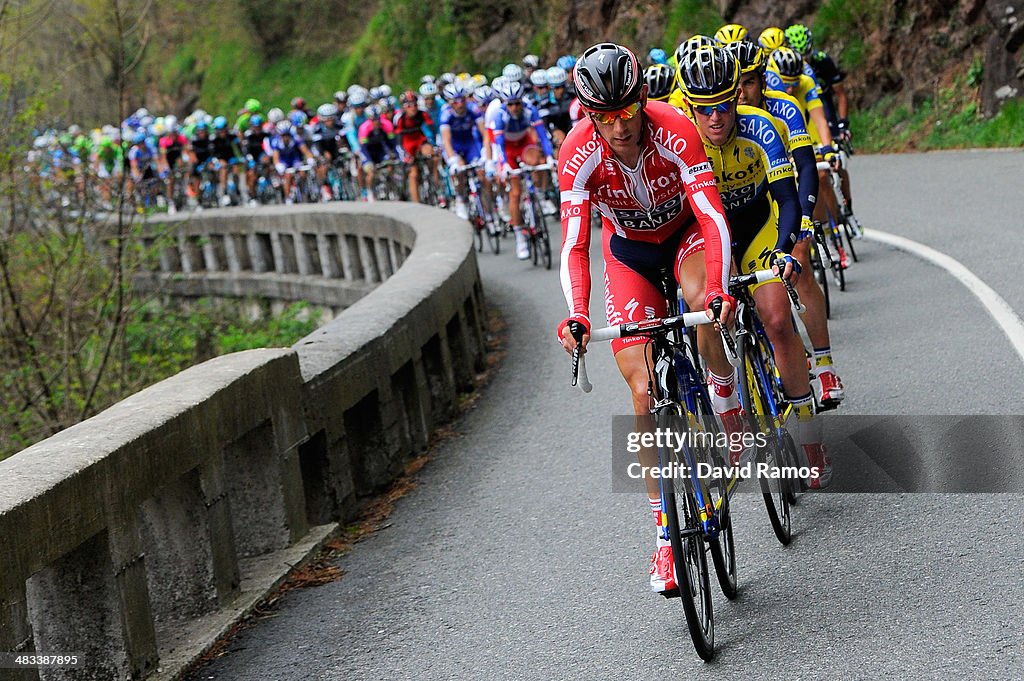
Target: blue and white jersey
[463, 128]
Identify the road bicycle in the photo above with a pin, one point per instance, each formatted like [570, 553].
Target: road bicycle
[763, 401]
[485, 225]
[696, 517]
[825, 265]
[846, 224]
[533, 214]
[389, 180]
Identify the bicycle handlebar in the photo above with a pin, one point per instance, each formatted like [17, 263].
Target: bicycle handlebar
[523, 168]
[641, 328]
[469, 166]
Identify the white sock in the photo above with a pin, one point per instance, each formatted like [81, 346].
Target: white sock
[655, 506]
[723, 392]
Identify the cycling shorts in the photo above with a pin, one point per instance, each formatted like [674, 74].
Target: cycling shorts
[412, 144]
[756, 250]
[514, 151]
[374, 154]
[286, 161]
[468, 152]
[632, 277]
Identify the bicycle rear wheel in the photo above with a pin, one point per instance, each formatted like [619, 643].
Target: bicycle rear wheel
[752, 390]
[839, 267]
[530, 218]
[490, 225]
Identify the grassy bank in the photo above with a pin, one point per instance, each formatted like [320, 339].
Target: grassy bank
[944, 122]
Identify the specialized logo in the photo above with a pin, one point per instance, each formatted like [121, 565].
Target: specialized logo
[631, 307]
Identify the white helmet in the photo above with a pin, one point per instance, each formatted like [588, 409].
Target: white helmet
[512, 72]
[275, 115]
[557, 76]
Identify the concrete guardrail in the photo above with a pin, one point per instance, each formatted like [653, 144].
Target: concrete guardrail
[133, 538]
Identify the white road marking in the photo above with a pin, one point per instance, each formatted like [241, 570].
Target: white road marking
[997, 307]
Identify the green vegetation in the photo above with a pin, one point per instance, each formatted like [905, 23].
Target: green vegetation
[158, 342]
[948, 121]
[684, 18]
[844, 21]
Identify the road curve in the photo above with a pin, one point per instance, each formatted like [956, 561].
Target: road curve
[512, 558]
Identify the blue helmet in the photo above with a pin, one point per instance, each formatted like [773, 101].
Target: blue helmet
[657, 56]
[220, 123]
[139, 137]
[566, 61]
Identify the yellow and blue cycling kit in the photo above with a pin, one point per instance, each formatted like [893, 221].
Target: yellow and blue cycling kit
[752, 169]
[787, 110]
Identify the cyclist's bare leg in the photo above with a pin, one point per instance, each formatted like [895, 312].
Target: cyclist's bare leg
[811, 295]
[844, 176]
[222, 177]
[693, 275]
[557, 137]
[826, 198]
[414, 185]
[773, 308]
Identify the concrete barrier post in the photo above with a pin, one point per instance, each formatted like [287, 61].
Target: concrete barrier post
[223, 549]
[75, 607]
[327, 259]
[15, 635]
[128, 560]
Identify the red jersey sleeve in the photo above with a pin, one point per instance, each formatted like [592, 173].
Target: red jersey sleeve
[574, 271]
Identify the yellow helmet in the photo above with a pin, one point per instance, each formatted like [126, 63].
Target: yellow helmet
[772, 38]
[708, 75]
[730, 33]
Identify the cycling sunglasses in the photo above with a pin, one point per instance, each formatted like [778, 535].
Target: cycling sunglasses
[514, 102]
[626, 113]
[708, 109]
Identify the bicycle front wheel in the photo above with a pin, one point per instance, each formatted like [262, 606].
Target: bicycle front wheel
[849, 231]
[821, 275]
[715, 491]
[688, 555]
[543, 240]
[752, 385]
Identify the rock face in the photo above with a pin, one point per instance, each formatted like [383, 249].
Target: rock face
[910, 48]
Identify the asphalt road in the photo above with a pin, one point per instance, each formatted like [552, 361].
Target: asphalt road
[512, 559]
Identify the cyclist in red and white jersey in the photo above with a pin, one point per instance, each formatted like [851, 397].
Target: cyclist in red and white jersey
[643, 166]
